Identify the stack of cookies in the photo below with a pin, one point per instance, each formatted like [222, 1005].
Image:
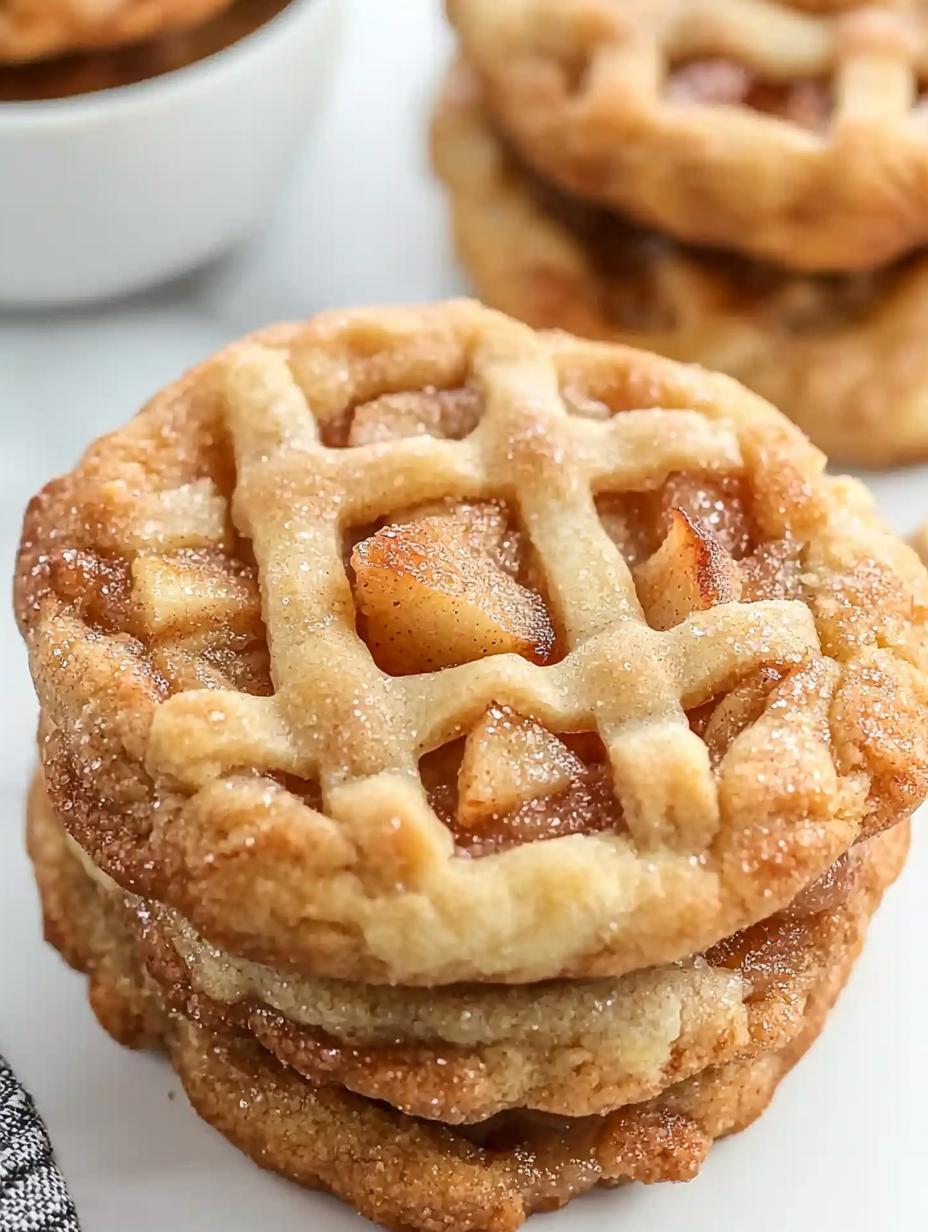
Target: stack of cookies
[739, 183]
[474, 755]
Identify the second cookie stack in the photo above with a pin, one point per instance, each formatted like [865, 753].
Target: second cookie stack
[736, 184]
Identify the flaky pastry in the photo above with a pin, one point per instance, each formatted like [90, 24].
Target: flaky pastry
[573, 1048]
[521, 778]
[33, 29]
[408, 1174]
[793, 132]
[843, 355]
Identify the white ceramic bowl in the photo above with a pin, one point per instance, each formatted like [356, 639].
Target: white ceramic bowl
[106, 193]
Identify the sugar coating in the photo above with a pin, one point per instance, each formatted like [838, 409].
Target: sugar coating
[735, 688]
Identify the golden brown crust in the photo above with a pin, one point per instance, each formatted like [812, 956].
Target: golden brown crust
[463, 1055]
[586, 89]
[188, 783]
[843, 356]
[33, 29]
[84, 928]
[427, 1178]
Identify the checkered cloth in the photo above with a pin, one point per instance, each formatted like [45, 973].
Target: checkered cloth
[33, 1195]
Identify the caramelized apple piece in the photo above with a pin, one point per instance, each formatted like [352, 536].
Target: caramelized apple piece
[433, 596]
[772, 571]
[180, 595]
[689, 572]
[588, 805]
[512, 782]
[628, 524]
[439, 772]
[709, 81]
[738, 710]
[96, 584]
[806, 103]
[829, 892]
[722, 502]
[803, 101]
[448, 413]
[485, 525]
[509, 760]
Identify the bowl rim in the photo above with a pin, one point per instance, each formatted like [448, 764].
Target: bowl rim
[188, 77]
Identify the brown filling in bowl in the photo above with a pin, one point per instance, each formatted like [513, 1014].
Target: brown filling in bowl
[88, 73]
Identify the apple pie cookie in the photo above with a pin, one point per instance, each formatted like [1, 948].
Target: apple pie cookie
[795, 131]
[33, 29]
[428, 1175]
[412, 646]
[843, 355]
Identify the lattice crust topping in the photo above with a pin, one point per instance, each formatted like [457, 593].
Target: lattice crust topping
[576, 664]
[794, 131]
[32, 29]
[842, 354]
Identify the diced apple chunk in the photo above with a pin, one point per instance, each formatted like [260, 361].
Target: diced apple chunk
[722, 502]
[509, 760]
[433, 595]
[448, 413]
[690, 571]
[710, 81]
[587, 806]
[484, 525]
[772, 571]
[180, 595]
[626, 523]
[738, 710]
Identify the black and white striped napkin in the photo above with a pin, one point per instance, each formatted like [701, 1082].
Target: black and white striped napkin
[33, 1195]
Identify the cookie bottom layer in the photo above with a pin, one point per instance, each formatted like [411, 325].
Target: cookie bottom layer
[461, 1055]
[405, 1173]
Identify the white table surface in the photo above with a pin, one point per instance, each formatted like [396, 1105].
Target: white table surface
[845, 1143]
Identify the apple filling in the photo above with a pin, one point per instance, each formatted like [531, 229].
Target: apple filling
[435, 591]
[647, 283]
[806, 102]
[766, 952]
[511, 781]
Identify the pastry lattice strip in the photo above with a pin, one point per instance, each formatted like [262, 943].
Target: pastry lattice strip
[764, 127]
[874, 57]
[335, 715]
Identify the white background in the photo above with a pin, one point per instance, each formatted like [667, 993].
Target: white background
[845, 1143]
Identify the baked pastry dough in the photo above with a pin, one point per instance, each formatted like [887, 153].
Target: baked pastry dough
[462, 1054]
[682, 671]
[794, 132]
[487, 1178]
[842, 355]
